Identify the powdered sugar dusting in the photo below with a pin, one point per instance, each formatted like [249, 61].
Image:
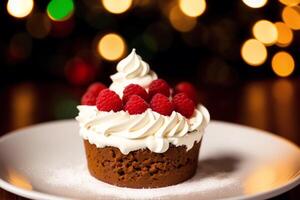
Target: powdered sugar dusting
[68, 178]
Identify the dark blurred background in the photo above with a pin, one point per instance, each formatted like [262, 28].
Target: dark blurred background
[242, 55]
[58, 40]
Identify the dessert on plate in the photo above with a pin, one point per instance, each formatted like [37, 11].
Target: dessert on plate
[138, 132]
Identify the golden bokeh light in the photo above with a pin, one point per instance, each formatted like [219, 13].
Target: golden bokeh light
[275, 175]
[111, 47]
[180, 21]
[291, 16]
[290, 2]
[23, 101]
[254, 52]
[255, 3]
[285, 34]
[283, 64]
[254, 105]
[192, 8]
[283, 95]
[19, 8]
[38, 25]
[265, 31]
[283, 91]
[18, 179]
[116, 6]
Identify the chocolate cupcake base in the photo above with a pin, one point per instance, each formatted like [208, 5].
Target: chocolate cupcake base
[142, 168]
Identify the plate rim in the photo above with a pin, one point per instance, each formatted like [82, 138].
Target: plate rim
[295, 181]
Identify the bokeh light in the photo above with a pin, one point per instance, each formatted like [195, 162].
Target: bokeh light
[283, 91]
[255, 3]
[19, 8]
[143, 3]
[38, 25]
[275, 175]
[18, 179]
[60, 10]
[116, 6]
[180, 21]
[150, 42]
[62, 28]
[192, 8]
[285, 34]
[217, 72]
[254, 105]
[111, 47]
[64, 106]
[290, 2]
[283, 64]
[79, 71]
[24, 99]
[291, 16]
[285, 100]
[20, 47]
[161, 34]
[254, 52]
[265, 31]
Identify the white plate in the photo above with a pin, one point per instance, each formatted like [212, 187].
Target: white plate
[47, 161]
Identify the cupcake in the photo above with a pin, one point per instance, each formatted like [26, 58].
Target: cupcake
[139, 133]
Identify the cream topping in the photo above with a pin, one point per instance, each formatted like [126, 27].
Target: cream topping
[132, 69]
[147, 130]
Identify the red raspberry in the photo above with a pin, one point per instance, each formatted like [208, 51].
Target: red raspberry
[159, 86]
[161, 104]
[89, 98]
[136, 105]
[96, 87]
[108, 100]
[188, 89]
[132, 89]
[183, 104]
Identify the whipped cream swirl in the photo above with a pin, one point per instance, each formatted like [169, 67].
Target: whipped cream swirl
[147, 130]
[132, 69]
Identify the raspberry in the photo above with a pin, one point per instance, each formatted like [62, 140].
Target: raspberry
[108, 100]
[136, 105]
[134, 89]
[159, 86]
[183, 104]
[161, 104]
[89, 98]
[96, 87]
[188, 89]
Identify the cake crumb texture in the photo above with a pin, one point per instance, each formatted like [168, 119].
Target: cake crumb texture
[142, 168]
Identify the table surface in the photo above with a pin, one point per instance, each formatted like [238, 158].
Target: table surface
[271, 105]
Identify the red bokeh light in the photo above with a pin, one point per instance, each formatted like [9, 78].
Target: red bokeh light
[80, 72]
[62, 28]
